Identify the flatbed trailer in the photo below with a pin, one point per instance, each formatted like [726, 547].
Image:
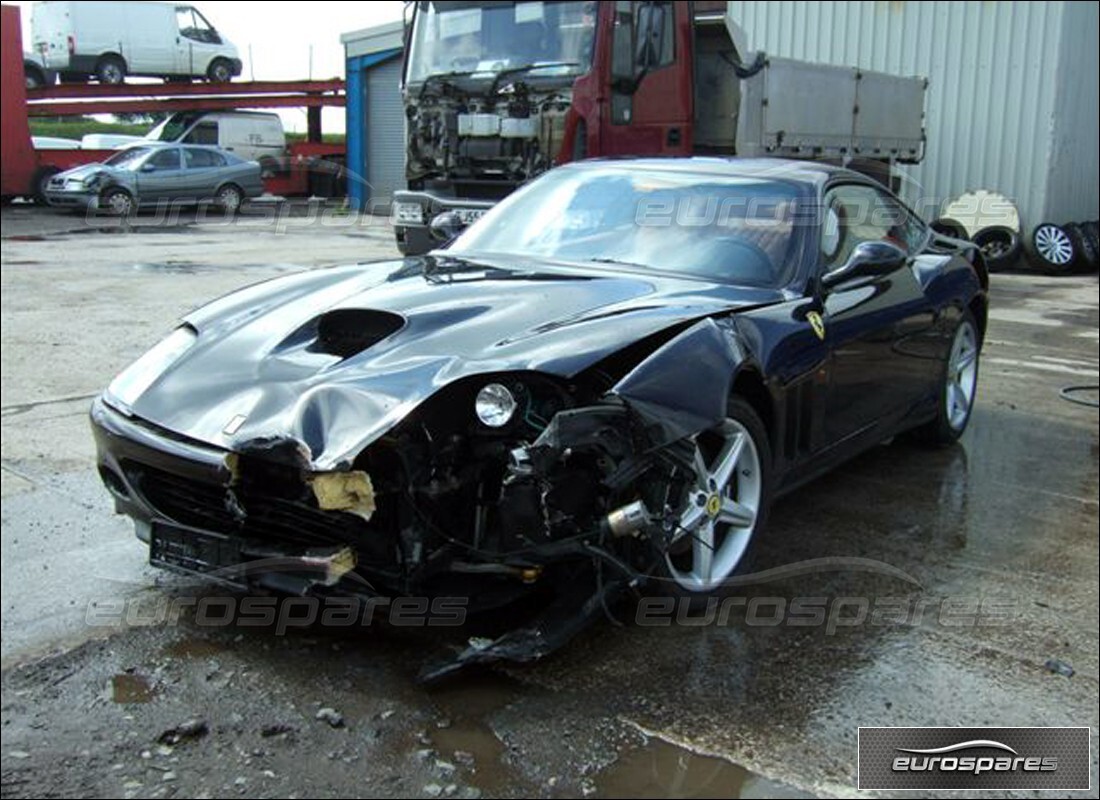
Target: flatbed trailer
[309, 167]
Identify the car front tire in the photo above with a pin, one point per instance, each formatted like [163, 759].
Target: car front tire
[117, 202]
[724, 507]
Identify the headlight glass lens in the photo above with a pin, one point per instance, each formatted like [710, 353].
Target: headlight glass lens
[132, 382]
[495, 405]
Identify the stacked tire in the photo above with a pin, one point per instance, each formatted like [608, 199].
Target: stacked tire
[1000, 245]
[1064, 249]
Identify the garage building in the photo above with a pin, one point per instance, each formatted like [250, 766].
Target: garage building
[376, 120]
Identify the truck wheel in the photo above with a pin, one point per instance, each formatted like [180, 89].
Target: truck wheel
[111, 70]
[1000, 245]
[219, 71]
[39, 182]
[1087, 257]
[1049, 249]
[116, 201]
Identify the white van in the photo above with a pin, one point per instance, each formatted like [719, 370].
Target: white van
[109, 41]
[251, 135]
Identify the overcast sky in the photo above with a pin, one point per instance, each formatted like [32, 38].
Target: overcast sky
[278, 36]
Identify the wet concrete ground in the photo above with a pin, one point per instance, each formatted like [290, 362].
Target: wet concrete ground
[992, 546]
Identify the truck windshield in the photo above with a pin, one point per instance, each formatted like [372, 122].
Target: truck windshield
[486, 38]
[731, 229]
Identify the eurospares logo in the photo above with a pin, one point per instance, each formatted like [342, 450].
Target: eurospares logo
[974, 758]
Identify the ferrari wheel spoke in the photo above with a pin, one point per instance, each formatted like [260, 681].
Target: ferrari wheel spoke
[736, 514]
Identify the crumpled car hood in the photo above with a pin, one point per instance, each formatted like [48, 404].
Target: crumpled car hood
[250, 361]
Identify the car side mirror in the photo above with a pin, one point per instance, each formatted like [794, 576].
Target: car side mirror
[148, 167]
[869, 259]
[446, 226]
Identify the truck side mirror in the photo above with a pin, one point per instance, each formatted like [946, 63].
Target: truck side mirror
[651, 37]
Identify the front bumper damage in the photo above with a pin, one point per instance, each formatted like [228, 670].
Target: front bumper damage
[582, 508]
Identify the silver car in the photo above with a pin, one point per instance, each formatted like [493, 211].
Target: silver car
[150, 174]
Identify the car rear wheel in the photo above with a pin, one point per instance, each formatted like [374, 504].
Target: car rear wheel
[724, 505]
[958, 385]
[117, 202]
[111, 70]
[230, 198]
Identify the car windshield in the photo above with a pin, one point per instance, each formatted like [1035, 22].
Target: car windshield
[128, 158]
[739, 230]
[487, 38]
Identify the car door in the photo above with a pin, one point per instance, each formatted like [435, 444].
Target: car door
[159, 178]
[878, 366]
[201, 168]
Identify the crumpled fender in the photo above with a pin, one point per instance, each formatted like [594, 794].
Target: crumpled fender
[683, 387]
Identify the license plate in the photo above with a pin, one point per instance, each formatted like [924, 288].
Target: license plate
[190, 550]
[468, 216]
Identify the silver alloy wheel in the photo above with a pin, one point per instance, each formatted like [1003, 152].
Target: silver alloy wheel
[721, 509]
[962, 375]
[1053, 244]
[229, 198]
[120, 203]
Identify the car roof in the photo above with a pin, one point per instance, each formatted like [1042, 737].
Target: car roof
[807, 172]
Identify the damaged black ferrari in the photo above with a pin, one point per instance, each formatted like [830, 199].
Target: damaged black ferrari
[602, 383]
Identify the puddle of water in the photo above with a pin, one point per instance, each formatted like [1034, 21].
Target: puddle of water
[661, 769]
[128, 687]
[465, 704]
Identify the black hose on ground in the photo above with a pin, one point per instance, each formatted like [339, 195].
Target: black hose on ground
[1068, 392]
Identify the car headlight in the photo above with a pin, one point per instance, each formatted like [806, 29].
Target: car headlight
[410, 213]
[495, 405]
[132, 382]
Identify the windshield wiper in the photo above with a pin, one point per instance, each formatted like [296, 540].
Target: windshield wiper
[619, 261]
[526, 68]
[444, 78]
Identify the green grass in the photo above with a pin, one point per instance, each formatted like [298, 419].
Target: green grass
[77, 127]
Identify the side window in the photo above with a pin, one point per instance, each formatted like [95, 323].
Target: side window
[856, 213]
[164, 160]
[203, 133]
[197, 158]
[194, 26]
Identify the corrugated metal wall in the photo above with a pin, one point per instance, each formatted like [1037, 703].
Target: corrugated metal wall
[1075, 147]
[993, 69]
[385, 131]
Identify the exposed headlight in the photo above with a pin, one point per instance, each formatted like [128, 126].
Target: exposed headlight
[495, 405]
[132, 382]
[409, 213]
